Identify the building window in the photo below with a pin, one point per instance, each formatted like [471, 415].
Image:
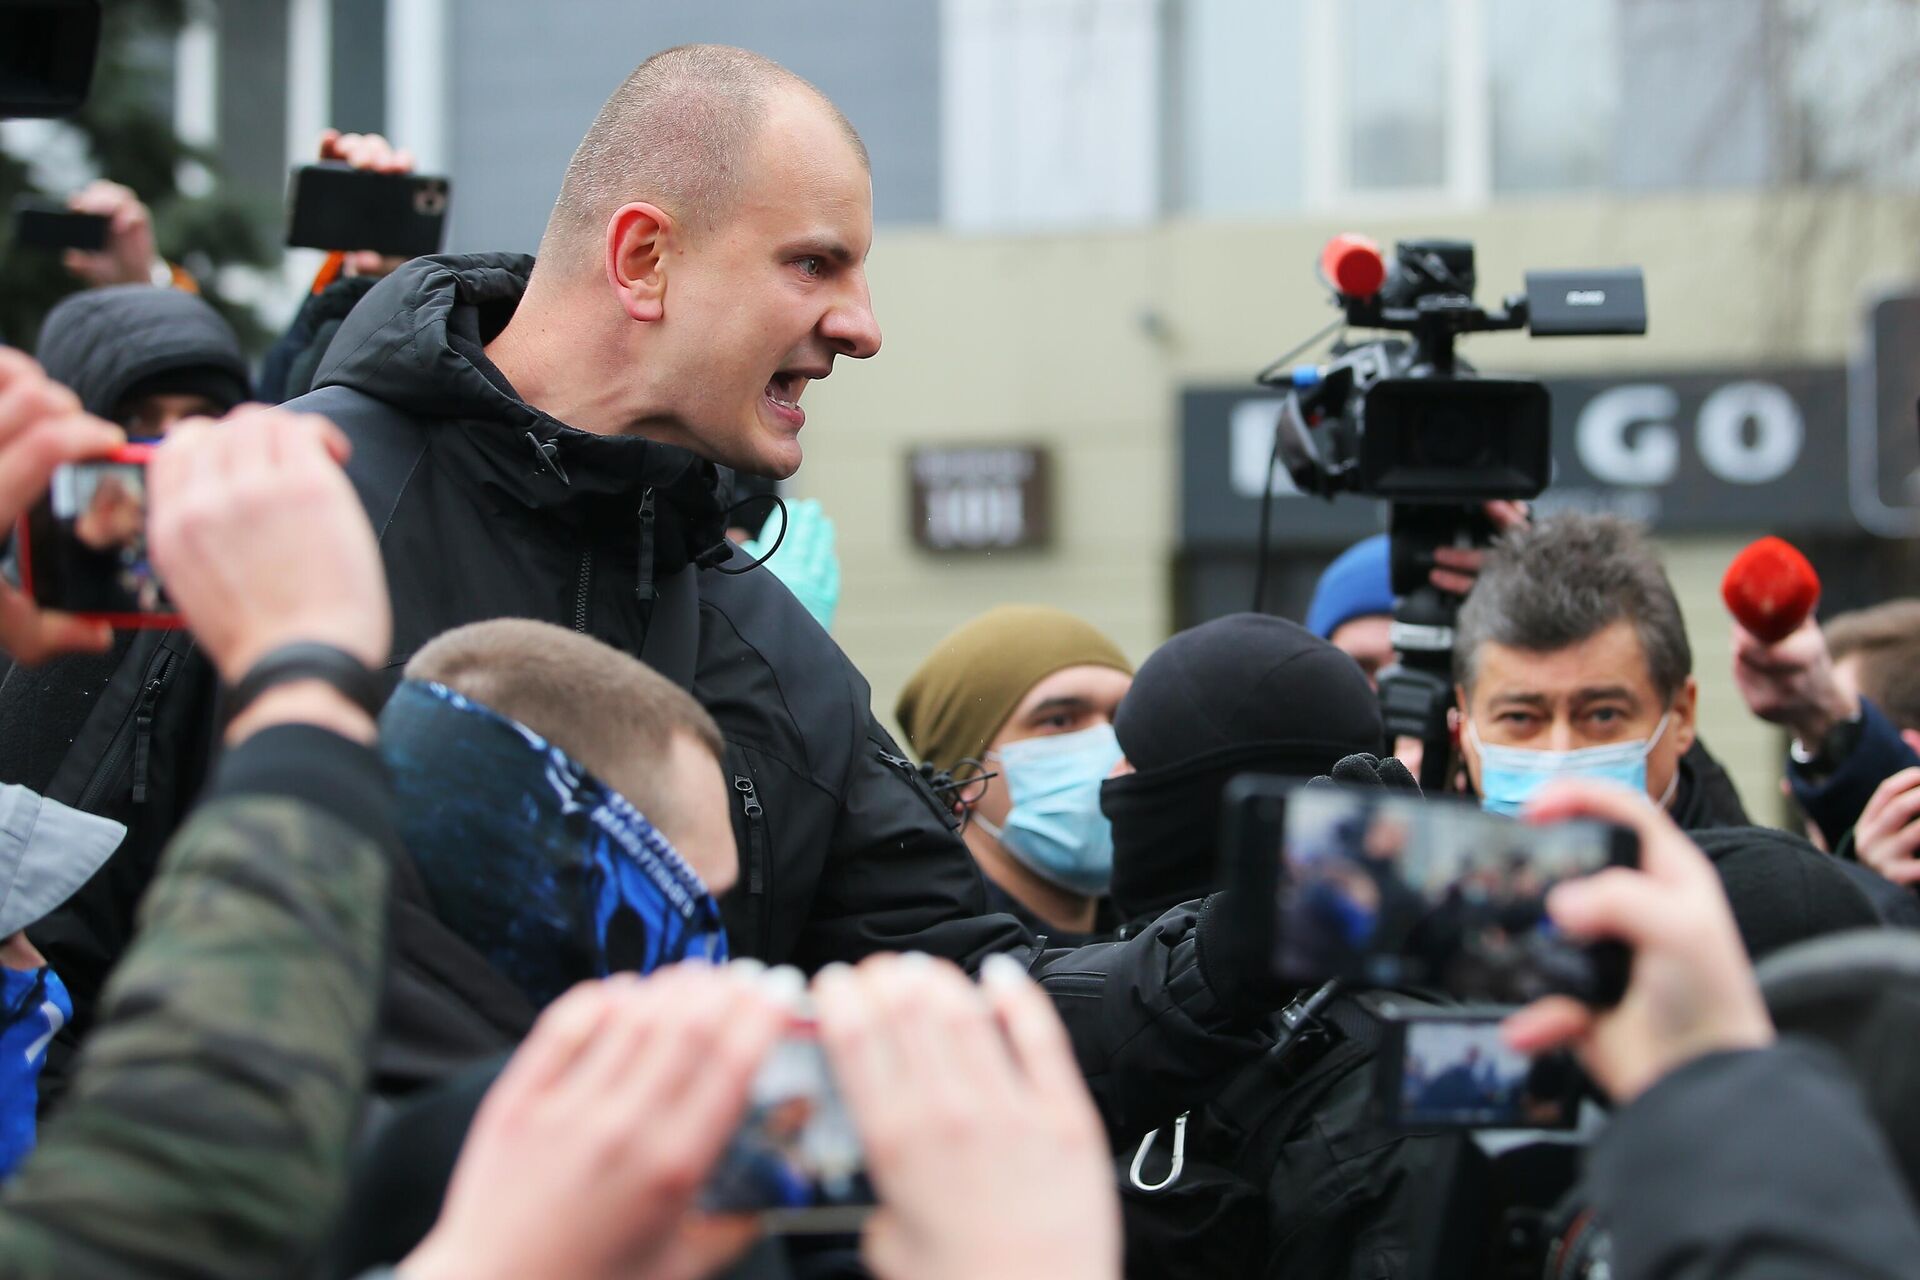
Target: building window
[1395, 90]
[1050, 113]
[1849, 67]
[1234, 106]
[1555, 93]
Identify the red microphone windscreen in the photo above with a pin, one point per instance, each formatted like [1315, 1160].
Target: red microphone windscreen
[1770, 589]
[1354, 265]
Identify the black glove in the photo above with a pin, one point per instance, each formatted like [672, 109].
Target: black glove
[1367, 770]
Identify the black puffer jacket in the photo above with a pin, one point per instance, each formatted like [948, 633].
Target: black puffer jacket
[486, 507]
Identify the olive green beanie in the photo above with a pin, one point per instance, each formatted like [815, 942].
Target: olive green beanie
[952, 707]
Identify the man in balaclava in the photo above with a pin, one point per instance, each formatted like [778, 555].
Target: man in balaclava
[1026, 693]
[1247, 693]
[1252, 693]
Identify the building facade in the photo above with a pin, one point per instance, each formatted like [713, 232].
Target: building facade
[1098, 218]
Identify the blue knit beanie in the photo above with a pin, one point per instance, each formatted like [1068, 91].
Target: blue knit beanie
[1357, 585]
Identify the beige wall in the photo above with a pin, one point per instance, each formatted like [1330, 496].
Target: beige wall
[1082, 343]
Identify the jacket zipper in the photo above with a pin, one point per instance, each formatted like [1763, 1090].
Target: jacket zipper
[143, 728]
[756, 834]
[645, 588]
[919, 785]
[135, 734]
[583, 584]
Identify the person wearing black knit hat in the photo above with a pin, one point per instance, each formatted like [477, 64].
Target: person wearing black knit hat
[1296, 1173]
[1248, 693]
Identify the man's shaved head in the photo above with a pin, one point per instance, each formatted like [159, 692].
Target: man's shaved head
[678, 133]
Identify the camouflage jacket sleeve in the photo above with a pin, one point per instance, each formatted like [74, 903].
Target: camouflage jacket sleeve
[207, 1130]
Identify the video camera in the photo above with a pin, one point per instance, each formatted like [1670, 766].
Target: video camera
[1406, 420]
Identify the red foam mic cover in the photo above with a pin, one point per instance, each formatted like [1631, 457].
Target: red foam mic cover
[1770, 589]
[1354, 265]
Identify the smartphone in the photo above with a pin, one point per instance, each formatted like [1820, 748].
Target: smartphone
[333, 206]
[796, 1161]
[83, 548]
[1449, 1069]
[47, 53]
[1387, 890]
[44, 226]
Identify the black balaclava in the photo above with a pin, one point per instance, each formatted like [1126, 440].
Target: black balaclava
[1248, 693]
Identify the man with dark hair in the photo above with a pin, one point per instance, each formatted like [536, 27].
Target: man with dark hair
[544, 441]
[1571, 658]
[1572, 661]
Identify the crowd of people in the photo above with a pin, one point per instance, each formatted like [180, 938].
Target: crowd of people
[428, 902]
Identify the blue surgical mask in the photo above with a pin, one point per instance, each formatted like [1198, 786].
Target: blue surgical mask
[1510, 775]
[35, 1004]
[1055, 827]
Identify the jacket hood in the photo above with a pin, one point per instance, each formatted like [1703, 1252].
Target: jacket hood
[103, 342]
[417, 341]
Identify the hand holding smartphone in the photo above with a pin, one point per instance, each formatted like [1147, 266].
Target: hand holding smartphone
[83, 548]
[50, 227]
[333, 206]
[1388, 890]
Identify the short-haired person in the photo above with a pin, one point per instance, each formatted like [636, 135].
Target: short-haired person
[544, 440]
[565, 814]
[1848, 693]
[1571, 659]
[1029, 693]
[144, 357]
[1876, 653]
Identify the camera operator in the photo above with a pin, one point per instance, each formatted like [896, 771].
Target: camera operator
[207, 1132]
[1730, 1155]
[1836, 690]
[544, 442]
[1352, 605]
[1028, 692]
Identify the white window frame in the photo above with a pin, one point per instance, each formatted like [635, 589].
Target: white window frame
[1468, 162]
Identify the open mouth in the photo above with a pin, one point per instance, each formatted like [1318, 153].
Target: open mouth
[783, 393]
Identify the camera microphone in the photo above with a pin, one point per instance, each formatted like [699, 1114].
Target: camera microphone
[1770, 588]
[1353, 265]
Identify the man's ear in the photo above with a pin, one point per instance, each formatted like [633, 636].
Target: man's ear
[637, 239]
[1457, 721]
[1912, 738]
[1686, 709]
